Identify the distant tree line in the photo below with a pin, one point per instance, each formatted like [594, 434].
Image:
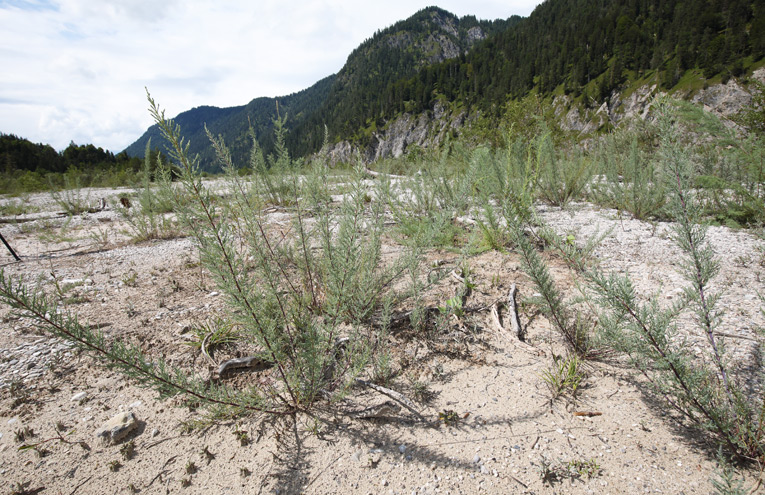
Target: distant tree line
[584, 48]
[28, 166]
[571, 43]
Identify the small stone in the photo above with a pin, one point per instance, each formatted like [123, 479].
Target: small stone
[213, 294]
[154, 432]
[384, 482]
[79, 397]
[135, 405]
[118, 427]
[356, 456]
[402, 448]
[476, 459]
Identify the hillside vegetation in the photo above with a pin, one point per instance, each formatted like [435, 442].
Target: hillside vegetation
[582, 48]
[310, 290]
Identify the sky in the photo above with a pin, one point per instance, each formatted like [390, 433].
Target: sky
[75, 70]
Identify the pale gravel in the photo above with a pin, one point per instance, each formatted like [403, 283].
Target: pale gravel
[509, 429]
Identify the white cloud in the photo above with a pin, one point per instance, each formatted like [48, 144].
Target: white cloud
[76, 69]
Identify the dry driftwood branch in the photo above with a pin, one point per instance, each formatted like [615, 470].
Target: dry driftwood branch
[730, 335]
[240, 363]
[14, 220]
[10, 248]
[456, 277]
[204, 350]
[387, 408]
[588, 414]
[397, 396]
[380, 174]
[515, 321]
[496, 321]
[495, 318]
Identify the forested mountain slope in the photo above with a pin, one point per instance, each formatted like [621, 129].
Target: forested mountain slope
[582, 48]
[342, 102]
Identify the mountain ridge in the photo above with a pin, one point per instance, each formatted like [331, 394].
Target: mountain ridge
[429, 36]
[583, 49]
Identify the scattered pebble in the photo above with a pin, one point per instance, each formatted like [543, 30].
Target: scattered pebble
[118, 427]
[79, 397]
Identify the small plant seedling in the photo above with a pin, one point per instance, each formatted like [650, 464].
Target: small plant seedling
[131, 311]
[115, 466]
[564, 376]
[130, 279]
[23, 434]
[588, 468]
[207, 455]
[449, 417]
[41, 451]
[315, 427]
[132, 488]
[185, 482]
[27, 433]
[128, 450]
[22, 488]
[213, 334]
[190, 468]
[382, 368]
[420, 389]
[554, 471]
[438, 372]
[100, 237]
[453, 306]
[19, 392]
[547, 471]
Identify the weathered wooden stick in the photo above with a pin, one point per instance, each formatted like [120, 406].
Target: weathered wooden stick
[501, 329]
[588, 414]
[10, 248]
[380, 174]
[730, 335]
[397, 396]
[240, 363]
[515, 321]
[387, 408]
[203, 348]
[495, 318]
[457, 277]
[31, 219]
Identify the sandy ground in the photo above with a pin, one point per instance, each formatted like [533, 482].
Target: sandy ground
[503, 428]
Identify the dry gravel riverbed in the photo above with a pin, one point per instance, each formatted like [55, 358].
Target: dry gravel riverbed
[504, 433]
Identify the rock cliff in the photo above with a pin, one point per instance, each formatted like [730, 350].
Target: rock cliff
[429, 129]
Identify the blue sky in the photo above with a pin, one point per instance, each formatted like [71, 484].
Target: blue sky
[75, 70]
